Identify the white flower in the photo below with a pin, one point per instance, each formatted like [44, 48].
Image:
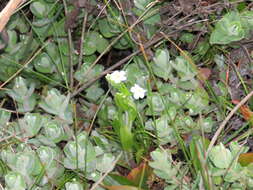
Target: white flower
[138, 92]
[117, 76]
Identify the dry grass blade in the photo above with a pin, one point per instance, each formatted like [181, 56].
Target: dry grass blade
[223, 124]
[8, 11]
[106, 173]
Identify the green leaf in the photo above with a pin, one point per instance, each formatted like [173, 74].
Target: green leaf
[206, 124]
[202, 48]
[28, 163]
[105, 162]
[228, 29]
[162, 164]
[123, 43]
[161, 66]
[31, 123]
[52, 51]
[197, 101]
[164, 132]
[247, 19]
[15, 181]
[220, 156]
[187, 37]
[12, 35]
[44, 64]
[126, 138]
[177, 96]
[90, 45]
[122, 180]
[22, 26]
[22, 92]
[40, 8]
[105, 28]
[155, 104]
[58, 28]
[137, 73]
[85, 72]
[152, 17]
[198, 146]
[57, 104]
[102, 44]
[141, 4]
[79, 153]
[4, 118]
[184, 69]
[125, 103]
[54, 131]
[50, 158]
[93, 93]
[73, 186]
[94, 42]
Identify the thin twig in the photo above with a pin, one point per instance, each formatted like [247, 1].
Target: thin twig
[223, 124]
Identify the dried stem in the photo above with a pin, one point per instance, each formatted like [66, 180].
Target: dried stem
[6, 13]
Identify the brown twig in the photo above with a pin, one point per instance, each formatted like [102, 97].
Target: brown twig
[6, 13]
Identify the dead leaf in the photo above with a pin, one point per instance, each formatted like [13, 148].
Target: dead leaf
[246, 112]
[205, 73]
[136, 174]
[246, 158]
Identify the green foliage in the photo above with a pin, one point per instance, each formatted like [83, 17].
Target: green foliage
[44, 64]
[162, 67]
[79, 153]
[14, 180]
[31, 123]
[155, 109]
[57, 104]
[84, 73]
[73, 186]
[232, 27]
[165, 169]
[220, 156]
[4, 118]
[22, 93]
